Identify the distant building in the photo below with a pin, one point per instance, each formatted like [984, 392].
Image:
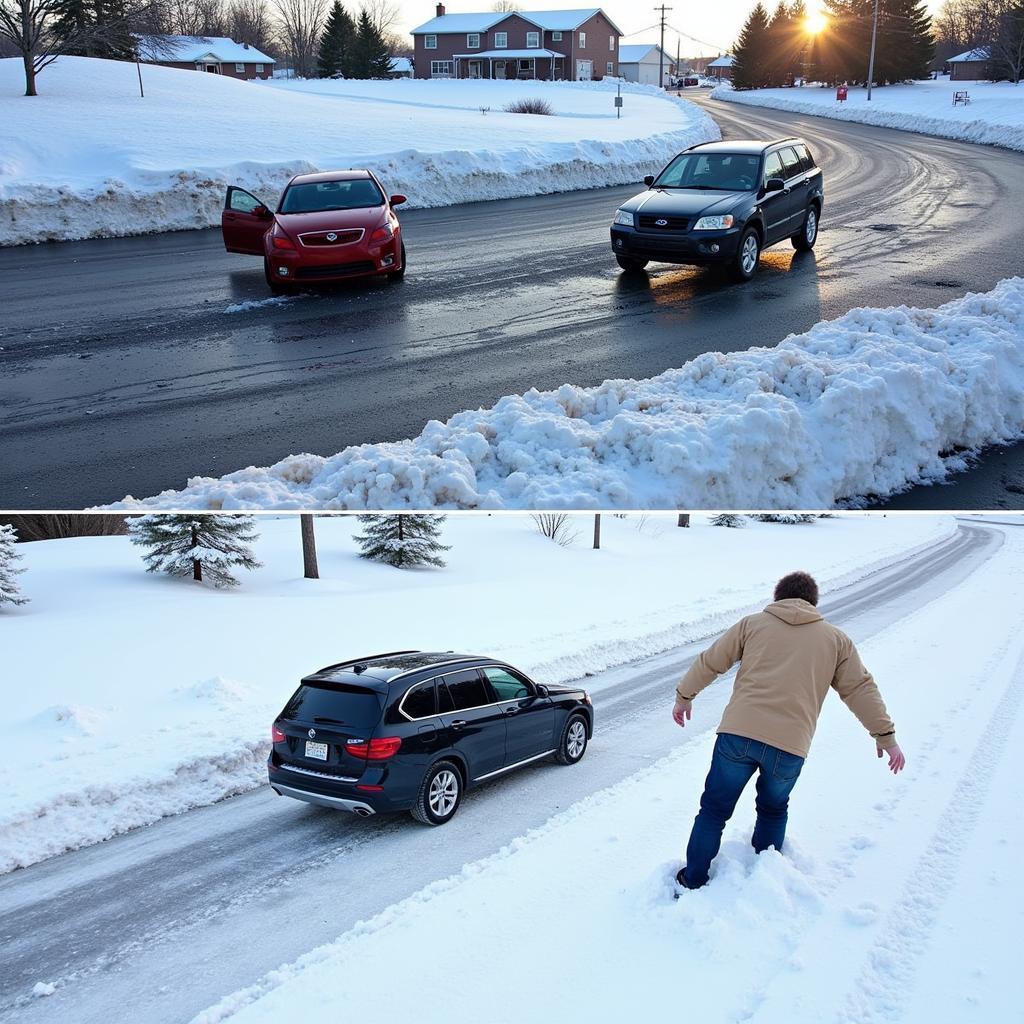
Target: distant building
[642, 62]
[215, 54]
[401, 67]
[572, 45]
[721, 67]
[971, 66]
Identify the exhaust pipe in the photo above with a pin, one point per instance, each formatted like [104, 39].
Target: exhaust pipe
[363, 812]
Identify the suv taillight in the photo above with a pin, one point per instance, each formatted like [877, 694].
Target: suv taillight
[376, 750]
[276, 736]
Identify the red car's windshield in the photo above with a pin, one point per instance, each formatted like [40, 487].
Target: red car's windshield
[317, 196]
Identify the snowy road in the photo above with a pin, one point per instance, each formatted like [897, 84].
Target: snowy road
[123, 372]
[169, 918]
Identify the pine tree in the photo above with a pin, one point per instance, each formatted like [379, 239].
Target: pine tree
[336, 44]
[905, 46]
[94, 28]
[728, 519]
[752, 58]
[10, 593]
[402, 540]
[205, 547]
[371, 58]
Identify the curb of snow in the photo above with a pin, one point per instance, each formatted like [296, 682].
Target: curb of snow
[985, 133]
[92, 814]
[868, 404]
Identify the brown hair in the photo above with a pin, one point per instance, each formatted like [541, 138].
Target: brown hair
[797, 584]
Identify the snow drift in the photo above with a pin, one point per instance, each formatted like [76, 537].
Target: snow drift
[868, 404]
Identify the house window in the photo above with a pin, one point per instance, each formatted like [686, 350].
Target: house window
[611, 43]
[473, 41]
[440, 69]
[259, 69]
[239, 69]
[611, 67]
[430, 42]
[532, 39]
[500, 40]
[583, 40]
[556, 37]
[199, 67]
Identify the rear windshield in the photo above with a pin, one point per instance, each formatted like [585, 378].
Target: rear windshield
[727, 172]
[317, 196]
[334, 705]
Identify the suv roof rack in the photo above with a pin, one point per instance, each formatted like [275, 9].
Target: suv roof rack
[365, 661]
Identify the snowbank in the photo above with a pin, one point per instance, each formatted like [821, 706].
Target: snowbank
[89, 157]
[862, 920]
[864, 405]
[171, 708]
[994, 117]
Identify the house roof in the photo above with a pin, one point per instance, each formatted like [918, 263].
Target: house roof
[725, 61]
[191, 48]
[400, 65]
[634, 53]
[981, 53]
[551, 21]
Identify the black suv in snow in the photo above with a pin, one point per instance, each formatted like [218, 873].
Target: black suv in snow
[412, 730]
[722, 203]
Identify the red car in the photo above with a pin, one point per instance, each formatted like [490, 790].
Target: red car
[327, 227]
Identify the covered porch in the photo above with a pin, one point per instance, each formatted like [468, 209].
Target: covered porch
[533, 63]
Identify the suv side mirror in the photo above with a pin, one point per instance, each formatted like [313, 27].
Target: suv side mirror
[398, 200]
[774, 185]
[542, 691]
[649, 180]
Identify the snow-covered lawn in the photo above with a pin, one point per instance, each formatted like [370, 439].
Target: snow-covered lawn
[864, 405]
[132, 696]
[89, 157]
[897, 898]
[995, 115]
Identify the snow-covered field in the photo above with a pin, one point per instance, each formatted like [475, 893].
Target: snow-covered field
[994, 117]
[132, 696]
[896, 900]
[864, 405]
[89, 157]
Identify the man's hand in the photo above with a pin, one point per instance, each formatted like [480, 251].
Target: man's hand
[897, 762]
[681, 712]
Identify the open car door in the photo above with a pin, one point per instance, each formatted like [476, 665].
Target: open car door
[244, 222]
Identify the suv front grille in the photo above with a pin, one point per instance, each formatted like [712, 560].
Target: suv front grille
[653, 222]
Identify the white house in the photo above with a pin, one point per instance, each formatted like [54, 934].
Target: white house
[721, 67]
[642, 62]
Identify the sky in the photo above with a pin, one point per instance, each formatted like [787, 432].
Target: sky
[711, 28]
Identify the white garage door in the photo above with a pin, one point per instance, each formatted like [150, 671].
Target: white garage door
[584, 70]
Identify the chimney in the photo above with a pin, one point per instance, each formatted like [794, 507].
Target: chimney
[440, 10]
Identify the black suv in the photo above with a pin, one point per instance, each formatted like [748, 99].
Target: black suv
[722, 203]
[412, 730]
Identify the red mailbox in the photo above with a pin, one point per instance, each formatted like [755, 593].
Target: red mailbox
[841, 94]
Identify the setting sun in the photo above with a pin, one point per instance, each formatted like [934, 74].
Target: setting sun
[815, 22]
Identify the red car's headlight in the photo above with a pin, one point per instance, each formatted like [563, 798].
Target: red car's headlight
[282, 242]
[382, 234]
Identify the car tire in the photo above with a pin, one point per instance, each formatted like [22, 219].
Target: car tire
[748, 256]
[804, 239]
[440, 794]
[631, 265]
[276, 288]
[573, 744]
[397, 275]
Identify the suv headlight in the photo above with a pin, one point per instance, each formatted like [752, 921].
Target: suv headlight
[713, 223]
[624, 217]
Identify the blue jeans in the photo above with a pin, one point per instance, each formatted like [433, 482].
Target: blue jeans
[734, 761]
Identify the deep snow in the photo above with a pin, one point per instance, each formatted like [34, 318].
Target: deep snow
[89, 157]
[867, 404]
[159, 694]
[994, 117]
[895, 900]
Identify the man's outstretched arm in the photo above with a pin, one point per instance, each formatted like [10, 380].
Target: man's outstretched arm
[718, 658]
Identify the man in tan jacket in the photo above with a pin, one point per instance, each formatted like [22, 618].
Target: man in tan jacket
[789, 659]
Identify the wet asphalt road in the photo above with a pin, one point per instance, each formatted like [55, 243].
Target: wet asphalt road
[123, 371]
[168, 918]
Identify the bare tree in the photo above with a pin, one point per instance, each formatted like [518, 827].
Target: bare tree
[309, 567]
[250, 22]
[505, 5]
[597, 530]
[1008, 46]
[556, 526]
[302, 23]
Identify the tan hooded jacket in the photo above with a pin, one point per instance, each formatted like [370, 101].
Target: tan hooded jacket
[789, 657]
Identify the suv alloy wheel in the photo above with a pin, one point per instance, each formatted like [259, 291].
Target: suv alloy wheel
[440, 794]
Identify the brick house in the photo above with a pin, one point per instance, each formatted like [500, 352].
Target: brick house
[571, 45]
[971, 66]
[215, 54]
[721, 68]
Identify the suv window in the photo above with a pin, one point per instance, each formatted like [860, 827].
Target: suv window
[792, 162]
[341, 705]
[419, 702]
[507, 685]
[773, 166]
[467, 689]
[805, 155]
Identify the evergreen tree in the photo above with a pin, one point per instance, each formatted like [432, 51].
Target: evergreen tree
[728, 519]
[904, 49]
[337, 44]
[752, 57]
[9, 590]
[95, 28]
[371, 57]
[205, 547]
[787, 518]
[402, 540]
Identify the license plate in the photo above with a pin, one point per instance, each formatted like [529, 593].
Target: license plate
[317, 750]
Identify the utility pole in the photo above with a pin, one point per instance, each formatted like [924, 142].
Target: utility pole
[871, 59]
[661, 47]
